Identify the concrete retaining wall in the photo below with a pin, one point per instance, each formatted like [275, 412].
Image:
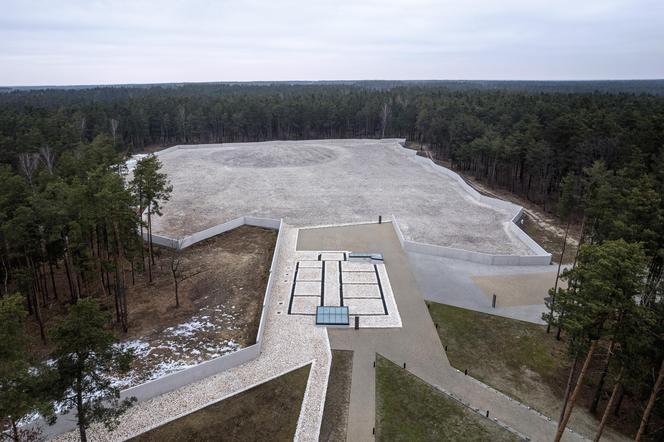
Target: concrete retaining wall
[173, 381]
[539, 257]
[467, 255]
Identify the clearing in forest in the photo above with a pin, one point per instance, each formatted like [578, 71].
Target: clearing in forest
[219, 309]
[328, 182]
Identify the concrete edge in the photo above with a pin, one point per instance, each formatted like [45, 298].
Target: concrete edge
[228, 396]
[300, 423]
[173, 381]
[540, 256]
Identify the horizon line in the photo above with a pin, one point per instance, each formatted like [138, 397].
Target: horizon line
[93, 85]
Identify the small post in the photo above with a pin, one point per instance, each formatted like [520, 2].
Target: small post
[446, 348]
[465, 372]
[380, 219]
[357, 322]
[373, 431]
[436, 326]
[374, 364]
[404, 365]
[487, 413]
[493, 303]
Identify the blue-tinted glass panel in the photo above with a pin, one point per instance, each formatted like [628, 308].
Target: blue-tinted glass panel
[326, 315]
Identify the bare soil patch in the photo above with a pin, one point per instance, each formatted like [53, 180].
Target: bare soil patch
[219, 308]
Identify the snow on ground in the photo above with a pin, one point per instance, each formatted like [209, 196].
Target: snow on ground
[177, 348]
[131, 162]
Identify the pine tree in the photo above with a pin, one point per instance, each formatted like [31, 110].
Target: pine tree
[86, 357]
[151, 188]
[23, 382]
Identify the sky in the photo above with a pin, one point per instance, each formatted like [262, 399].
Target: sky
[74, 42]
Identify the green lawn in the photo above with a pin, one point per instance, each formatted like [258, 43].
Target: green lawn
[408, 409]
[266, 412]
[337, 399]
[516, 357]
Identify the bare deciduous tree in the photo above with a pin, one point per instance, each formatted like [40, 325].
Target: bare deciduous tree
[48, 158]
[28, 163]
[384, 113]
[114, 128]
[179, 271]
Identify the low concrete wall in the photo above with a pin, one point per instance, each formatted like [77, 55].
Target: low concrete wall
[173, 381]
[467, 255]
[539, 257]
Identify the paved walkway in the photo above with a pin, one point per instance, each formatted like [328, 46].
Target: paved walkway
[416, 343]
[459, 283]
[289, 342]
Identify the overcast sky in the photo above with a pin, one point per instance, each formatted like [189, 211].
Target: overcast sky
[98, 42]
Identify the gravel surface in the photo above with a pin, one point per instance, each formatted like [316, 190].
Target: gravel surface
[327, 182]
[289, 342]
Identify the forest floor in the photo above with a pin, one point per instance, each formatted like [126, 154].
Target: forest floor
[543, 227]
[219, 309]
[337, 399]
[523, 361]
[266, 412]
[408, 408]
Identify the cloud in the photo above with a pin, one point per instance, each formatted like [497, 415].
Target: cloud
[97, 42]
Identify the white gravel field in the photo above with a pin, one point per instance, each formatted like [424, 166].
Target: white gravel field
[327, 182]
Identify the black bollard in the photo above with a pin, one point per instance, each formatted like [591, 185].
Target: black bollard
[380, 219]
[493, 303]
[404, 365]
[446, 348]
[487, 413]
[465, 372]
[357, 322]
[374, 364]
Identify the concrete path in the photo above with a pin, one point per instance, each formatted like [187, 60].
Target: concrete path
[459, 283]
[416, 343]
[289, 343]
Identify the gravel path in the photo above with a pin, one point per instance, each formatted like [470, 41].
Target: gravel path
[289, 342]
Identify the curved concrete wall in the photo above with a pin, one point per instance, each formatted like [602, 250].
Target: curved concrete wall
[173, 381]
[539, 256]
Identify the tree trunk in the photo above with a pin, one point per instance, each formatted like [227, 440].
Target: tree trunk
[55, 290]
[119, 278]
[150, 234]
[80, 412]
[651, 403]
[6, 276]
[602, 378]
[607, 410]
[577, 389]
[149, 247]
[35, 302]
[68, 268]
[568, 388]
[616, 412]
